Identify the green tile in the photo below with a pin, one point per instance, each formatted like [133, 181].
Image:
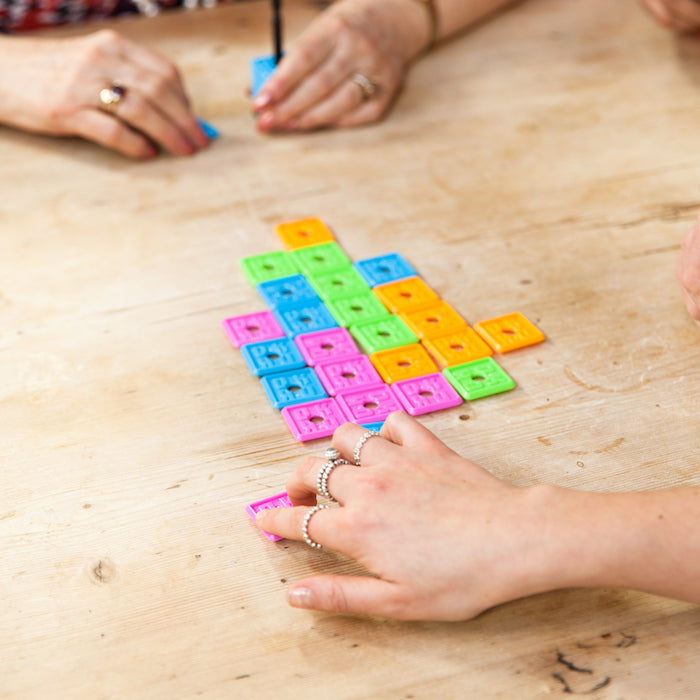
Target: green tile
[268, 266]
[319, 259]
[389, 332]
[474, 380]
[359, 308]
[338, 284]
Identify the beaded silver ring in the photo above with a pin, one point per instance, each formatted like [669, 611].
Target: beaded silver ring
[361, 443]
[322, 478]
[331, 453]
[305, 526]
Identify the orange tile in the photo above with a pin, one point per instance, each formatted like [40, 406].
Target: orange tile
[457, 348]
[299, 234]
[433, 321]
[509, 332]
[406, 295]
[405, 362]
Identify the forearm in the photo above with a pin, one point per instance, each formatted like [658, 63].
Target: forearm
[648, 541]
[457, 15]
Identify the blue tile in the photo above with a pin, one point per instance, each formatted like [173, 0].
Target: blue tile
[384, 268]
[269, 356]
[261, 68]
[286, 290]
[304, 317]
[294, 387]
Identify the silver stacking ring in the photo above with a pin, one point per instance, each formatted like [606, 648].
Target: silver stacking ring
[322, 478]
[365, 84]
[305, 526]
[331, 453]
[361, 443]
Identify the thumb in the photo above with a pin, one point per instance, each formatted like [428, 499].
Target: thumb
[364, 595]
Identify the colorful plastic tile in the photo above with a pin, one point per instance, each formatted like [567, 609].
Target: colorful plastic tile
[315, 260]
[281, 500]
[270, 356]
[210, 131]
[304, 317]
[322, 346]
[251, 328]
[457, 348]
[348, 373]
[368, 405]
[317, 419]
[433, 321]
[509, 332]
[373, 426]
[405, 362]
[360, 308]
[302, 233]
[474, 380]
[286, 290]
[384, 268]
[431, 392]
[261, 68]
[346, 282]
[268, 266]
[389, 332]
[406, 295]
[293, 387]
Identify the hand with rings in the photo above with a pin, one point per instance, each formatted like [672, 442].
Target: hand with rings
[102, 87]
[681, 15]
[347, 67]
[435, 530]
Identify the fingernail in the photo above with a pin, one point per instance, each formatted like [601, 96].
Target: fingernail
[266, 121]
[300, 598]
[261, 101]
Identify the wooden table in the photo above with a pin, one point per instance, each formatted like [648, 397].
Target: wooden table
[548, 162]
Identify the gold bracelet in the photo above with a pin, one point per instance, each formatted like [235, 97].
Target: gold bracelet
[430, 8]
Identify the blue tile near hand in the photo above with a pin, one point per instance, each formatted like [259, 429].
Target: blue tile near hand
[384, 268]
[269, 356]
[286, 290]
[304, 317]
[294, 387]
[261, 68]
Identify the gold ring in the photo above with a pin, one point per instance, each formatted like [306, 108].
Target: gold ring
[110, 97]
[365, 84]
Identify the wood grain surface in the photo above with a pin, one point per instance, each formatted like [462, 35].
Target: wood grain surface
[547, 162]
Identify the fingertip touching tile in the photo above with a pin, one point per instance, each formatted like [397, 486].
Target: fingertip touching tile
[304, 232]
[360, 308]
[369, 404]
[435, 320]
[268, 266]
[457, 347]
[384, 268]
[210, 131]
[431, 392]
[480, 378]
[338, 284]
[347, 373]
[315, 260]
[261, 68]
[509, 332]
[316, 419]
[281, 500]
[328, 344]
[304, 317]
[406, 295]
[293, 387]
[252, 328]
[270, 356]
[389, 332]
[286, 290]
[404, 362]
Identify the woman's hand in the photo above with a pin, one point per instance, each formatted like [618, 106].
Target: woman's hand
[443, 538]
[315, 85]
[682, 15]
[52, 86]
[688, 271]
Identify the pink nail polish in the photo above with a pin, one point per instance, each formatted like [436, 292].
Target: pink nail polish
[261, 101]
